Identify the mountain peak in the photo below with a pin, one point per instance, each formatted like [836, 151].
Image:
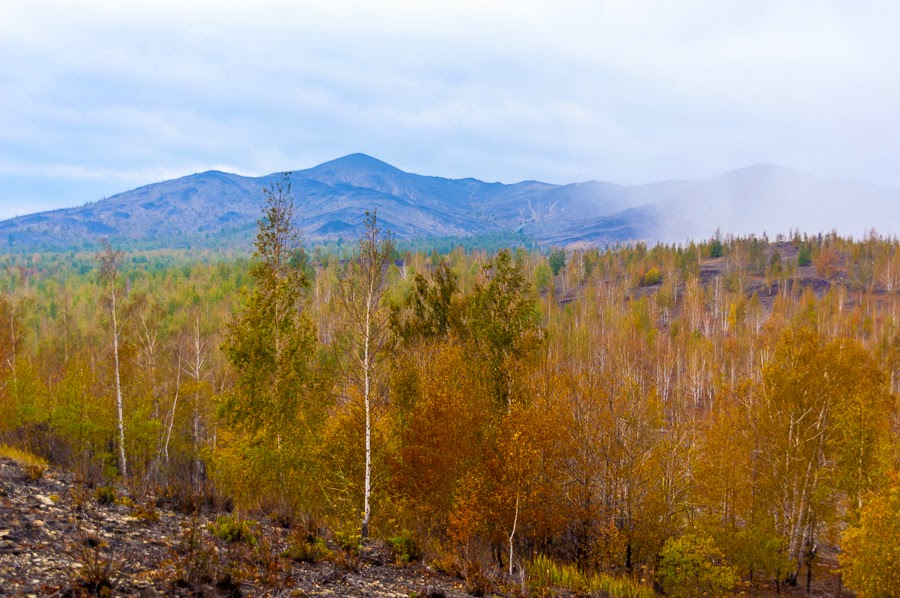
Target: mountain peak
[355, 163]
[218, 208]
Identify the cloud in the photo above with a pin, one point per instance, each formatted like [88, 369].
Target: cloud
[501, 90]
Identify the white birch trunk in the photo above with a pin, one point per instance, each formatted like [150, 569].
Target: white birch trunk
[367, 400]
[512, 536]
[120, 421]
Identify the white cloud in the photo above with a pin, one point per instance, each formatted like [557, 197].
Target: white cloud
[501, 90]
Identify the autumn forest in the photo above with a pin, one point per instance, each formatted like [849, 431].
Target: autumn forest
[716, 415]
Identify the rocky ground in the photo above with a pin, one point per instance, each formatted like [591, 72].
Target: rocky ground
[57, 539]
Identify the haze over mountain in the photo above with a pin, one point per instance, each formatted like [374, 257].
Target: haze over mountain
[220, 208]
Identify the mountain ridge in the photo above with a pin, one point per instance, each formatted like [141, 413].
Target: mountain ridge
[220, 207]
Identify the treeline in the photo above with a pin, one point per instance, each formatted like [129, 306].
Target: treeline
[628, 411]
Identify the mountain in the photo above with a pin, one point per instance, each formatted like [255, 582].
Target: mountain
[217, 208]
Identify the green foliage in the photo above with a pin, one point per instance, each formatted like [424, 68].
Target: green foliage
[651, 277]
[716, 248]
[557, 260]
[546, 577]
[302, 550]
[432, 310]
[276, 403]
[404, 548]
[105, 495]
[692, 565]
[271, 341]
[145, 512]
[348, 540]
[196, 558]
[542, 277]
[504, 407]
[804, 256]
[500, 317]
[235, 530]
[486, 243]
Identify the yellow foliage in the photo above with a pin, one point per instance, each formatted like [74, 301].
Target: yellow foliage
[22, 457]
[871, 549]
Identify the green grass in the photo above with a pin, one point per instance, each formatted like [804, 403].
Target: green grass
[544, 575]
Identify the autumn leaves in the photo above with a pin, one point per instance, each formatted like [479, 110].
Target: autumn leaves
[740, 417]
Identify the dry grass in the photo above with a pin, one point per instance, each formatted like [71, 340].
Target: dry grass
[546, 577]
[33, 465]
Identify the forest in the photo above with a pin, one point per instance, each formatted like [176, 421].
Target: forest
[707, 417]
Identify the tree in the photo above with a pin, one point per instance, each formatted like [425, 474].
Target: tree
[109, 261]
[870, 558]
[716, 247]
[692, 566]
[431, 311]
[557, 260]
[501, 322]
[271, 344]
[804, 255]
[362, 298]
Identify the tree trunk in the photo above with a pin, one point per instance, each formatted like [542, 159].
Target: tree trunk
[120, 421]
[512, 536]
[368, 407]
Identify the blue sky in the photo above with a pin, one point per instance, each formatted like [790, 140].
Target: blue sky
[99, 97]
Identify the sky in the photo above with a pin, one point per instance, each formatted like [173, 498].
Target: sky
[101, 97]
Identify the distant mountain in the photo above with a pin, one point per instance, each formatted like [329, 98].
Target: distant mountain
[217, 208]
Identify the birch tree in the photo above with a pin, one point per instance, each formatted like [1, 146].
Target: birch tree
[361, 296]
[110, 260]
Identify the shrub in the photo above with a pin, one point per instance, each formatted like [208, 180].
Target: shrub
[303, 551]
[101, 569]
[542, 277]
[557, 260]
[105, 495]
[195, 558]
[804, 256]
[477, 582]
[870, 558]
[35, 472]
[348, 541]
[546, 577]
[716, 247]
[145, 512]
[233, 529]
[651, 277]
[693, 566]
[404, 549]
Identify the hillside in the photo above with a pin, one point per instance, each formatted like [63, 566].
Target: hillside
[220, 209]
[671, 370]
[58, 538]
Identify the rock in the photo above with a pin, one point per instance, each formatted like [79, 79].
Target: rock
[44, 500]
[7, 547]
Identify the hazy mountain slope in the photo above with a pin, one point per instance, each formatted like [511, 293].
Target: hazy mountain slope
[216, 207]
[774, 199]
